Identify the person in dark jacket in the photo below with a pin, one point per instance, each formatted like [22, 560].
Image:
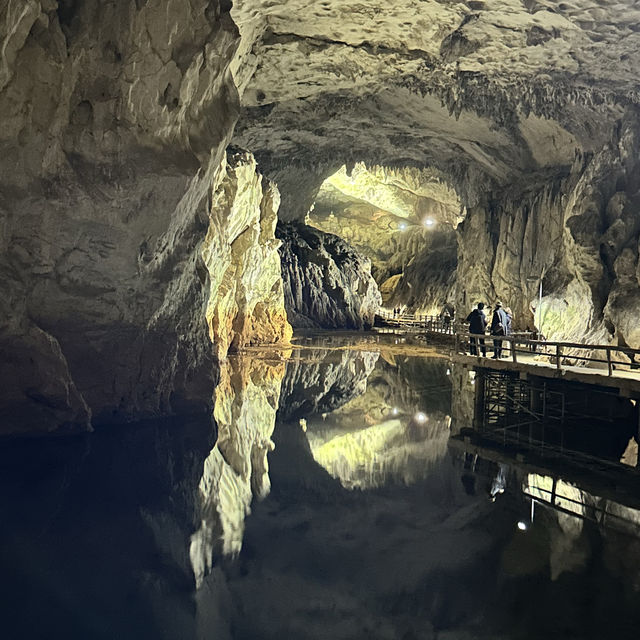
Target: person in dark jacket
[499, 327]
[477, 325]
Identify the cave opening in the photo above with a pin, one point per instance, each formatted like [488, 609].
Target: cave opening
[404, 220]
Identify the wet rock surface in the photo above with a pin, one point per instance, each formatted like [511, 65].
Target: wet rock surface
[578, 234]
[326, 282]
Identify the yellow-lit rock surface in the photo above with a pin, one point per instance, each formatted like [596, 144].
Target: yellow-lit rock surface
[246, 302]
[403, 220]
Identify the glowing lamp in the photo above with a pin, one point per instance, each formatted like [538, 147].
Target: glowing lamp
[420, 418]
[522, 525]
[429, 222]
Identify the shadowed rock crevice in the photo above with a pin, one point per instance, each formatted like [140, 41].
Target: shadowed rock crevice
[326, 283]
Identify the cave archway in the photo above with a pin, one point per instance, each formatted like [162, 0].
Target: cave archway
[403, 219]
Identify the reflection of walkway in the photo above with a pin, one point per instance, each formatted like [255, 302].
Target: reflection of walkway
[611, 498]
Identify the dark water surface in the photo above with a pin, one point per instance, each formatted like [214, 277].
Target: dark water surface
[325, 501]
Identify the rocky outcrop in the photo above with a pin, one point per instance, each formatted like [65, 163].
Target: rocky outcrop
[578, 233]
[115, 120]
[326, 283]
[403, 220]
[240, 251]
[514, 109]
[427, 281]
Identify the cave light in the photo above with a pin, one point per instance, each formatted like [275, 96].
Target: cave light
[402, 226]
[395, 411]
[522, 525]
[429, 222]
[420, 417]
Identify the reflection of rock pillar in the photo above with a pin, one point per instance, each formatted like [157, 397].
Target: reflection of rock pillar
[237, 469]
[478, 406]
[462, 398]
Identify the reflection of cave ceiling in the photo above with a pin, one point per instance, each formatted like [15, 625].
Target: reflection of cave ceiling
[478, 89]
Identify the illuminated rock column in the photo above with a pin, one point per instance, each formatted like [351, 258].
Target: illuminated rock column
[246, 300]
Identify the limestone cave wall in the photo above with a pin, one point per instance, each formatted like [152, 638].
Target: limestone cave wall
[326, 282]
[578, 231]
[115, 117]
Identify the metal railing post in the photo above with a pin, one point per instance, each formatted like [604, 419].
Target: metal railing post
[609, 363]
[558, 355]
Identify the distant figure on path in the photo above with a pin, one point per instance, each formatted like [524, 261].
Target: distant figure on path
[499, 326]
[509, 313]
[477, 325]
[446, 321]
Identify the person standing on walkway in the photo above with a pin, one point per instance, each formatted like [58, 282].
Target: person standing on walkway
[446, 321]
[499, 326]
[509, 313]
[477, 326]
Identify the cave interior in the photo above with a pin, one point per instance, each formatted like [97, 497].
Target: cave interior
[181, 181]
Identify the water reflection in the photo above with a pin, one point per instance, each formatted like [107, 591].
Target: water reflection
[399, 450]
[236, 470]
[367, 519]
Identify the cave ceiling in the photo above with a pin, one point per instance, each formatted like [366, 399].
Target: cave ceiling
[486, 92]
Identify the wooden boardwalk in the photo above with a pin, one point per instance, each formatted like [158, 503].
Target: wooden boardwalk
[605, 365]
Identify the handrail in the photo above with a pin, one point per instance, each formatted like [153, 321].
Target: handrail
[436, 324]
[557, 352]
[554, 350]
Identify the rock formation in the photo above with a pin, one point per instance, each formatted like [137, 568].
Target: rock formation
[115, 118]
[404, 221]
[578, 233]
[526, 109]
[240, 251]
[326, 282]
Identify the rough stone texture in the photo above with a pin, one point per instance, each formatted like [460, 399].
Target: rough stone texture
[115, 117]
[526, 83]
[428, 272]
[403, 220]
[240, 251]
[514, 103]
[580, 232]
[326, 283]
[237, 469]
